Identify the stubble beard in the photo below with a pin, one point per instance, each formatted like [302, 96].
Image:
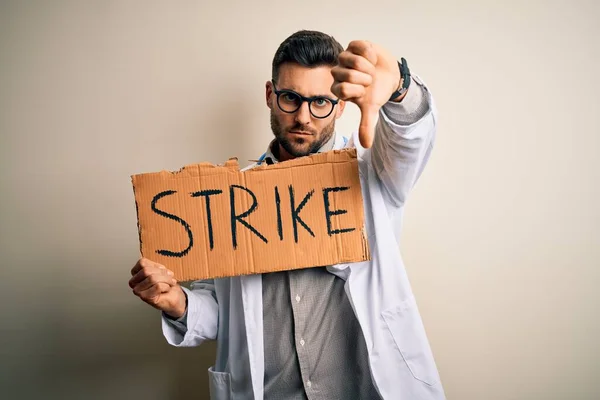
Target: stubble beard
[295, 147]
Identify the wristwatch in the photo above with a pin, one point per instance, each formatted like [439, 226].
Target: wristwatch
[404, 78]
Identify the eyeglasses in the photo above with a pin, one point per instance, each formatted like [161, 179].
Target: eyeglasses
[290, 102]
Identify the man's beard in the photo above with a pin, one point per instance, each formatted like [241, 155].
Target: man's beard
[291, 146]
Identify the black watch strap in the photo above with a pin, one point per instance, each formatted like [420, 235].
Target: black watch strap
[405, 77]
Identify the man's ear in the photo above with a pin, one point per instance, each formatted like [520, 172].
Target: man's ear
[268, 94]
[340, 109]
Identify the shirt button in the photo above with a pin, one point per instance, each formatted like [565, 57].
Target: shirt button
[308, 383]
[297, 298]
[302, 342]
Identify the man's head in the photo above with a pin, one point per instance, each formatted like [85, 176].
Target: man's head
[302, 67]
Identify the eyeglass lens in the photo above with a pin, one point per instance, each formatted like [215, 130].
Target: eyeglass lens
[290, 102]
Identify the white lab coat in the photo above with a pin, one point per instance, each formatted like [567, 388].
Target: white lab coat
[402, 365]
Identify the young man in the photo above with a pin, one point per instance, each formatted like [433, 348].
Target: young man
[350, 331]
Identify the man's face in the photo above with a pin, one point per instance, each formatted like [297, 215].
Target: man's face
[300, 133]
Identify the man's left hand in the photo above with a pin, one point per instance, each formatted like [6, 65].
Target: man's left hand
[367, 75]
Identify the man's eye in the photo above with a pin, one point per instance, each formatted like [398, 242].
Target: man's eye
[321, 102]
[290, 97]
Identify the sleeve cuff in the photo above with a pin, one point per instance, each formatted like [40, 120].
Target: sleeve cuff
[412, 107]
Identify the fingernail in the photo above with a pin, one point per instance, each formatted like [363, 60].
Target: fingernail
[170, 273]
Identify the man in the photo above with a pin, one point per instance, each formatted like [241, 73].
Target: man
[350, 331]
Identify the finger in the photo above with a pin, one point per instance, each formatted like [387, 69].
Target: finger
[152, 280]
[144, 263]
[365, 49]
[136, 267]
[341, 74]
[148, 271]
[366, 129]
[354, 61]
[151, 294]
[346, 91]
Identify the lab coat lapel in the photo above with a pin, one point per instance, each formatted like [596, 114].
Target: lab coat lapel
[253, 317]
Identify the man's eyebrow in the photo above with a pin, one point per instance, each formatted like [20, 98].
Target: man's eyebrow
[329, 96]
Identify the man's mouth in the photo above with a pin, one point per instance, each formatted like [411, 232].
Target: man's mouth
[300, 133]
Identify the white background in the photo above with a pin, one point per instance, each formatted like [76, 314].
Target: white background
[501, 239]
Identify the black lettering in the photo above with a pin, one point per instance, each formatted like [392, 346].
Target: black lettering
[174, 218]
[329, 213]
[207, 194]
[296, 212]
[278, 204]
[238, 218]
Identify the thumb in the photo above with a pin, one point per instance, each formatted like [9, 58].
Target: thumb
[366, 129]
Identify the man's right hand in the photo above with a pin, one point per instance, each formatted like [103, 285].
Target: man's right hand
[154, 284]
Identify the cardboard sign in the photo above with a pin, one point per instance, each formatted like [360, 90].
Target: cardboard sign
[208, 221]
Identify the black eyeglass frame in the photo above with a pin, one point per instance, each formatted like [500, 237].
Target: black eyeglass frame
[303, 99]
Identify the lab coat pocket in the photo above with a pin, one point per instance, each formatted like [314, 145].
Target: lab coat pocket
[219, 385]
[408, 332]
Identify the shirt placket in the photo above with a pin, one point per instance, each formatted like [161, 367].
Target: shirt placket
[301, 311]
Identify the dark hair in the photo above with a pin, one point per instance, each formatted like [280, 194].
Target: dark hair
[308, 49]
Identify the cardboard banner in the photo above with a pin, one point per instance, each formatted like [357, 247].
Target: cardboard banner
[208, 221]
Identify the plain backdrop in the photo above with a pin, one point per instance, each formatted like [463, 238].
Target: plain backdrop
[501, 239]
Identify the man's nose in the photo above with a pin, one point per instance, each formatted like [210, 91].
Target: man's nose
[303, 115]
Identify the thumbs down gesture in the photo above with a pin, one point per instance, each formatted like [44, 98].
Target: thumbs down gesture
[366, 75]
